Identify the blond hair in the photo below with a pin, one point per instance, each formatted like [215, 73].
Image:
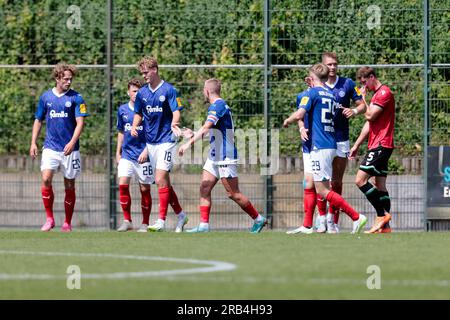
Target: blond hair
[147, 61]
[213, 85]
[321, 71]
[60, 68]
[328, 54]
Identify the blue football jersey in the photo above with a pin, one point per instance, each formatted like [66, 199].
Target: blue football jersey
[157, 107]
[344, 90]
[319, 104]
[306, 145]
[222, 145]
[60, 113]
[131, 147]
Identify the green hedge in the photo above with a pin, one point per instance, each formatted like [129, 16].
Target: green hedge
[219, 32]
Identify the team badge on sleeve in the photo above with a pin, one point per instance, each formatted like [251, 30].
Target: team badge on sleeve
[179, 102]
[83, 108]
[358, 92]
[304, 101]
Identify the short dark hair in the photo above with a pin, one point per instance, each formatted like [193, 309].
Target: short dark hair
[135, 82]
[365, 72]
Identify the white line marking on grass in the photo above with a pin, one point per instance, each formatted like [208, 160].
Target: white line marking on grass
[393, 282]
[214, 266]
[317, 281]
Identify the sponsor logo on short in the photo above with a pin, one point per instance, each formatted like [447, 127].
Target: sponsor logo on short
[151, 109]
[128, 127]
[162, 98]
[54, 114]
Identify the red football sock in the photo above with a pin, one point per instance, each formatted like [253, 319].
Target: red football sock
[146, 206]
[174, 201]
[251, 211]
[204, 214]
[321, 205]
[336, 200]
[125, 201]
[164, 198]
[309, 204]
[69, 204]
[332, 209]
[47, 198]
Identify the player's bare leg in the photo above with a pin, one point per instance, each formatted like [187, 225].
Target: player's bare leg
[69, 204]
[48, 198]
[232, 187]
[206, 186]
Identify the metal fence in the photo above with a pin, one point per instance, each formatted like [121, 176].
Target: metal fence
[261, 51]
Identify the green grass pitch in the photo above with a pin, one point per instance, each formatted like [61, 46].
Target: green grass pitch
[269, 265]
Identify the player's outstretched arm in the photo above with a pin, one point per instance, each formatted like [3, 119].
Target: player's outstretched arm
[187, 133]
[360, 109]
[295, 117]
[37, 125]
[197, 136]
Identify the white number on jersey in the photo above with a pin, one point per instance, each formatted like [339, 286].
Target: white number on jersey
[328, 123]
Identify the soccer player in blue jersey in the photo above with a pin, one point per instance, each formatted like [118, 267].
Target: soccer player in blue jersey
[63, 110]
[320, 104]
[132, 160]
[222, 159]
[310, 197]
[159, 106]
[345, 91]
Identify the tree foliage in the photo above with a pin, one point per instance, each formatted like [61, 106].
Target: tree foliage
[221, 32]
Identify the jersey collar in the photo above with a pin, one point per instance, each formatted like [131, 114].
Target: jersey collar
[130, 106]
[159, 86]
[216, 100]
[378, 88]
[332, 85]
[59, 95]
